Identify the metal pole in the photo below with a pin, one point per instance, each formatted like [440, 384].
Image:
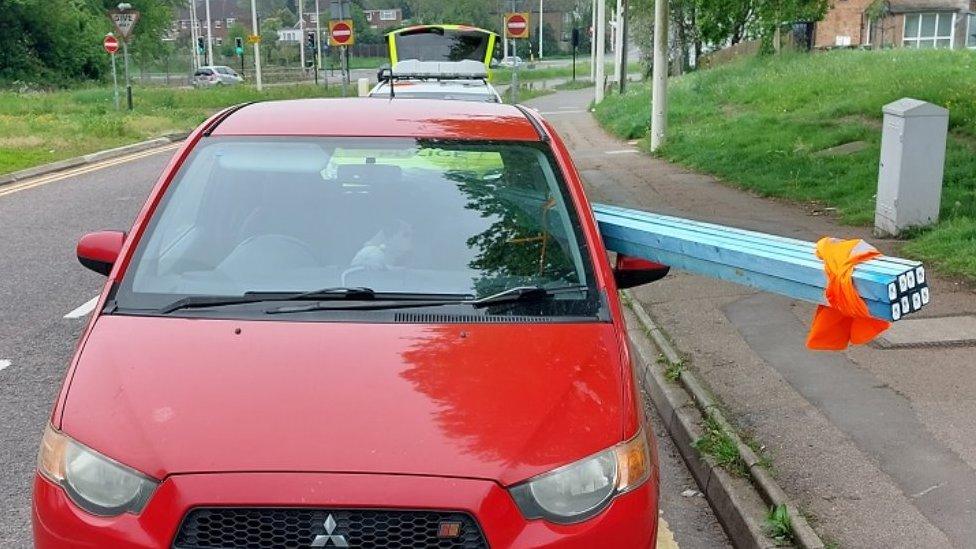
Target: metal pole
[593, 41]
[301, 35]
[128, 83]
[115, 82]
[540, 30]
[194, 32]
[623, 48]
[515, 68]
[617, 35]
[659, 89]
[318, 37]
[504, 37]
[210, 59]
[257, 45]
[601, 45]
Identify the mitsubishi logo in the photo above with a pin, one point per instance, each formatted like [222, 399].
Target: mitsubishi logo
[328, 538]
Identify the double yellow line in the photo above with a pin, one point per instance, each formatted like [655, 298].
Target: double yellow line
[58, 176]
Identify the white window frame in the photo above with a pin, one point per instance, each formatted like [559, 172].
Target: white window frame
[914, 41]
[230, 21]
[970, 19]
[218, 23]
[388, 15]
[369, 15]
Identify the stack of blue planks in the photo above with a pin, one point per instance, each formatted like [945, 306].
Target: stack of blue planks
[891, 287]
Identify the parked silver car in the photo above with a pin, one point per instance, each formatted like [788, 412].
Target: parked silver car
[217, 75]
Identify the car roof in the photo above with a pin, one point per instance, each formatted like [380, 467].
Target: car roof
[370, 117]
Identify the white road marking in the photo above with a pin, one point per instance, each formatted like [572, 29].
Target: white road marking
[4, 364]
[621, 151]
[58, 176]
[83, 309]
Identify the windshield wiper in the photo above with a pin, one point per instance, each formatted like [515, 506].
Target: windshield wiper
[511, 295]
[201, 301]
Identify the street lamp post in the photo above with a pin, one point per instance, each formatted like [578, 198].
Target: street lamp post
[194, 52]
[593, 40]
[301, 36]
[540, 30]
[318, 39]
[659, 87]
[210, 59]
[601, 45]
[257, 45]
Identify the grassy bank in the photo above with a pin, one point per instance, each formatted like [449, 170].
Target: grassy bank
[36, 128]
[763, 124]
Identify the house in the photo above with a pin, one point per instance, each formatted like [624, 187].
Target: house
[558, 15]
[223, 15]
[384, 19]
[898, 23]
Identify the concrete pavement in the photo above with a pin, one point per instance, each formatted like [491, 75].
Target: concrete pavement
[876, 444]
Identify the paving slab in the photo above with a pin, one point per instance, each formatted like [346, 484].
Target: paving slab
[923, 332]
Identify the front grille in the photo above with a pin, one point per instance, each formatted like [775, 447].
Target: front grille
[260, 528]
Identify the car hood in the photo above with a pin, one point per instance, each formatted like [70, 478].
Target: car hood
[494, 401]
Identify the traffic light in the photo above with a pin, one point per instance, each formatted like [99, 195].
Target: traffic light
[576, 37]
[310, 40]
[200, 45]
[239, 45]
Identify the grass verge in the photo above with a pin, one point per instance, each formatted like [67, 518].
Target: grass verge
[526, 93]
[574, 85]
[717, 443]
[37, 128]
[762, 124]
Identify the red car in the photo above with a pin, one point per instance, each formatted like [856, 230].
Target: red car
[355, 323]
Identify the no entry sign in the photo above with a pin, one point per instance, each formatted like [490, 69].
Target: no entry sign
[517, 25]
[110, 43]
[340, 33]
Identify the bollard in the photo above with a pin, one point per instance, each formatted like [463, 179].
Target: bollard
[363, 87]
[913, 143]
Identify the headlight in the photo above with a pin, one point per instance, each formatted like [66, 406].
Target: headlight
[94, 482]
[582, 489]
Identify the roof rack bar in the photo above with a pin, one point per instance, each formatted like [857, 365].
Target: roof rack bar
[224, 115]
[543, 134]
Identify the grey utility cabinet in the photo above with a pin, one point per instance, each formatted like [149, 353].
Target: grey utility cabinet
[913, 143]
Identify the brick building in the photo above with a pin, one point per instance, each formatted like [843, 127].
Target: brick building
[384, 19]
[223, 15]
[898, 23]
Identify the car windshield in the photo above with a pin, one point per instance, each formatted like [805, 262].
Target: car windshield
[390, 214]
[439, 44]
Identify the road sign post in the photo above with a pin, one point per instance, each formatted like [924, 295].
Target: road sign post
[111, 45]
[125, 18]
[341, 34]
[516, 27]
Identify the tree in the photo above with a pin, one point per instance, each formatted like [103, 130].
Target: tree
[468, 12]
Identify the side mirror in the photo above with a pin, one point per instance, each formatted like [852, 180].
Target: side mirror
[634, 271]
[98, 251]
[384, 74]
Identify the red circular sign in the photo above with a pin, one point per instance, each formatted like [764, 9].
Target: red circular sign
[341, 33]
[517, 25]
[111, 44]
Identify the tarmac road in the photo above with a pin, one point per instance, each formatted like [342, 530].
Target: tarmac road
[45, 296]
